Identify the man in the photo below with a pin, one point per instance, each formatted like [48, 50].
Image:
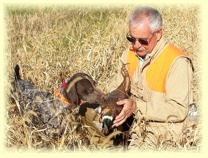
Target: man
[161, 77]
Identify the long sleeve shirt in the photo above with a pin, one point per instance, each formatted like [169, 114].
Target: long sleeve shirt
[170, 105]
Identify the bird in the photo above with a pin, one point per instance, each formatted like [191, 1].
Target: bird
[108, 110]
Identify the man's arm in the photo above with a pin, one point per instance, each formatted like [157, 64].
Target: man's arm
[174, 106]
[171, 107]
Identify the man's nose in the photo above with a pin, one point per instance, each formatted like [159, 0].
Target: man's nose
[137, 44]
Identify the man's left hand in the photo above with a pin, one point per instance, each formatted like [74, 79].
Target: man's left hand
[129, 106]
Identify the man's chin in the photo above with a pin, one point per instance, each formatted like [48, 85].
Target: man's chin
[141, 54]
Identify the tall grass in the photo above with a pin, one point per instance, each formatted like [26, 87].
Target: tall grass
[52, 43]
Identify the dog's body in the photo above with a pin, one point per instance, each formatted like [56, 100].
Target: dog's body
[47, 112]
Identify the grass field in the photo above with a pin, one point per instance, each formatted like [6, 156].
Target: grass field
[52, 43]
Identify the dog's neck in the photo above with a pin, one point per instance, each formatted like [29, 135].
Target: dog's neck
[58, 93]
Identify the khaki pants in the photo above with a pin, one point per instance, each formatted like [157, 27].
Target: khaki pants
[151, 135]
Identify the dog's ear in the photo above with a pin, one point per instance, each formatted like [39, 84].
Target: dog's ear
[84, 87]
[72, 96]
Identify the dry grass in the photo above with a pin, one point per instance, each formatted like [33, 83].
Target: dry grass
[67, 40]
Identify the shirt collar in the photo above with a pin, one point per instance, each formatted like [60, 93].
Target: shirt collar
[158, 48]
[146, 57]
[142, 61]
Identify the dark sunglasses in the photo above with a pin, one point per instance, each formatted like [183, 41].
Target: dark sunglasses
[143, 41]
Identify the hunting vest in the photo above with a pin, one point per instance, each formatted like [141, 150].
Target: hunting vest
[157, 71]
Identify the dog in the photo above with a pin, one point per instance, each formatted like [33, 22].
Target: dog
[82, 87]
[47, 112]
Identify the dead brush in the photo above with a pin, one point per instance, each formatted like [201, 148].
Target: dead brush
[47, 41]
[31, 136]
[147, 139]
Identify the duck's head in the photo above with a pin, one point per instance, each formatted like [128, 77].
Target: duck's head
[107, 124]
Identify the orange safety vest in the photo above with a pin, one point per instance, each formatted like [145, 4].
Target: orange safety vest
[157, 71]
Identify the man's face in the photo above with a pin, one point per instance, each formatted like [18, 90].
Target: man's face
[143, 32]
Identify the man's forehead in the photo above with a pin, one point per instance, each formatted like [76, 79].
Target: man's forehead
[140, 29]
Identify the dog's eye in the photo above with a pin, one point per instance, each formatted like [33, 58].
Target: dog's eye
[91, 89]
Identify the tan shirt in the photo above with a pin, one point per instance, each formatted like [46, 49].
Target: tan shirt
[162, 107]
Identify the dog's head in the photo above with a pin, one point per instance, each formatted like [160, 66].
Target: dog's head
[82, 87]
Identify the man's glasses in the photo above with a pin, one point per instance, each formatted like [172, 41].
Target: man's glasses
[142, 41]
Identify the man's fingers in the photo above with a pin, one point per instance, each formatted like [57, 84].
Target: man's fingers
[120, 123]
[125, 112]
[120, 116]
[121, 102]
[120, 120]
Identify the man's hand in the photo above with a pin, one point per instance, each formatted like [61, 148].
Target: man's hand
[129, 106]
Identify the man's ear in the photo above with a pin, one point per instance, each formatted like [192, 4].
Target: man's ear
[159, 34]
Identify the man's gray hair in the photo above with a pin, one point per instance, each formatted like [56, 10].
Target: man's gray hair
[154, 16]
